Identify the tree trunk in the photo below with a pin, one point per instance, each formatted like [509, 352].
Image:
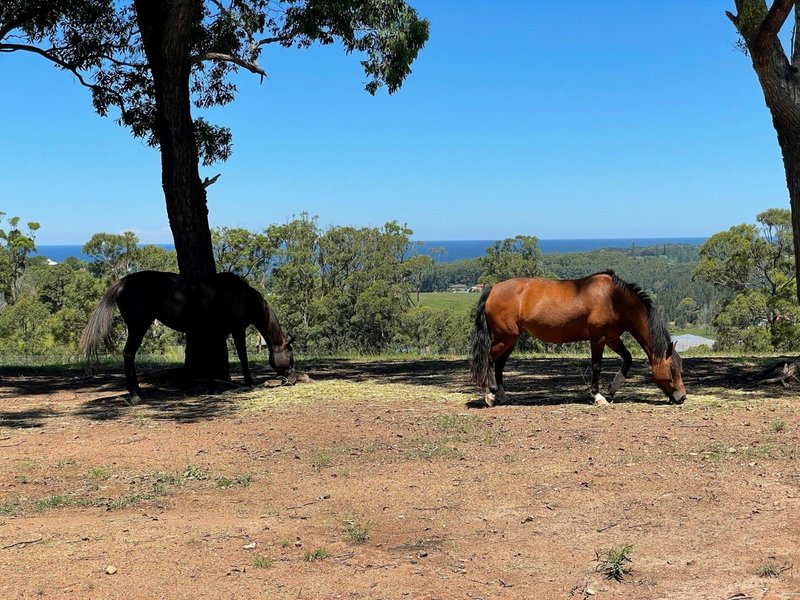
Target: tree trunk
[789, 140]
[166, 29]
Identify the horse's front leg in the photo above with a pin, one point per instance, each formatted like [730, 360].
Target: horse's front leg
[618, 347]
[240, 341]
[597, 368]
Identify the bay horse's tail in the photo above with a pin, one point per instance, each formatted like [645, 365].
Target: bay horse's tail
[481, 342]
[98, 329]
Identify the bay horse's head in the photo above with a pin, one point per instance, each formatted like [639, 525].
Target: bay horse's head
[668, 376]
[652, 333]
[281, 358]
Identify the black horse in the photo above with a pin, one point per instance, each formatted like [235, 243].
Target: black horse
[213, 308]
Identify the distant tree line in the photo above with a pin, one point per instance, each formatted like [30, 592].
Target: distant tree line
[357, 290]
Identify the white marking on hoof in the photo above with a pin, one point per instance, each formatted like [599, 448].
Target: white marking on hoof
[619, 378]
[490, 399]
[599, 399]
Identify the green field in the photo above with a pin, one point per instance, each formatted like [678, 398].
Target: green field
[459, 303]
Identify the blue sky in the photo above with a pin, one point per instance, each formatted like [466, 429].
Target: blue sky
[575, 119]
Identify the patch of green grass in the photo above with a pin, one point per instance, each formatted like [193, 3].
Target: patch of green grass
[611, 563]
[52, 501]
[719, 451]
[777, 425]
[457, 303]
[262, 562]
[102, 473]
[355, 533]
[125, 501]
[769, 569]
[193, 473]
[241, 480]
[432, 449]
[9, 507]
[321, 460]
[140, 421]
[458, 424]
[318, 554]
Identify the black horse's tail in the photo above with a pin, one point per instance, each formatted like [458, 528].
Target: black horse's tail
[481, 342]
[98, 329]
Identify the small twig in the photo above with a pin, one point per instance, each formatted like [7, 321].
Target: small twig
[607, 527]
[14, 444]
[23, 544]
[309, 503]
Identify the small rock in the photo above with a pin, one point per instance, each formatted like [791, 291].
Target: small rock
[590, 592]
[250, 546]
[111, 569]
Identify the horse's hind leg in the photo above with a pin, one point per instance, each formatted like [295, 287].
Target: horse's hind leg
[132, 345]
[597, 368]
[501, 350]
[618, 347]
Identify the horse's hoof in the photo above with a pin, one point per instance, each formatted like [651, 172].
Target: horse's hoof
[490, 399]
[599, 400]
[134, 399]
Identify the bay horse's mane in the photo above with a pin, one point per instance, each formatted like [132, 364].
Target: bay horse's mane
[659, 334]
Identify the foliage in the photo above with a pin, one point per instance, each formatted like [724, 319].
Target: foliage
[108, 46]
[513, 257]
[23, 327]
[15, 247]
[754, 266]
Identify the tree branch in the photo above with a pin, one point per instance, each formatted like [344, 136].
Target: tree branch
[772, 23]
[273, 40]
[207, 182]
[220, 57]
[49, 56]
[796, 36]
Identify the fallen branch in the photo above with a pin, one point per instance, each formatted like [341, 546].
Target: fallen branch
[23, 544]
[783, 373]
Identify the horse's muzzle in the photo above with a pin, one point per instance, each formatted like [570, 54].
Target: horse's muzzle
[677, 398]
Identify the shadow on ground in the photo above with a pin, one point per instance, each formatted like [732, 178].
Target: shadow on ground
[529, 381]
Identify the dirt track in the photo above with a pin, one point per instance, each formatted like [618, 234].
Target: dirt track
[262, 494]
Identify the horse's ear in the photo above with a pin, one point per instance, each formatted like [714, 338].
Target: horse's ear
[670, 348]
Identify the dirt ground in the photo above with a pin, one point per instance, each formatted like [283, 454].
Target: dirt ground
[390, 480]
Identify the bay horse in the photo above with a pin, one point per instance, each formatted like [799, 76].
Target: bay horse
[221, 305]
[598, 308]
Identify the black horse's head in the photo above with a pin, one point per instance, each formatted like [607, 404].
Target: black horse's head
[281, 358]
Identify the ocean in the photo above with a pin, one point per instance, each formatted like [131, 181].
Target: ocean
[453, 249]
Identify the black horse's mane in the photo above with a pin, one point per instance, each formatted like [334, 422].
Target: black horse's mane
[659, 334]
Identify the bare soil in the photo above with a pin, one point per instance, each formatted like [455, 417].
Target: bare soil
[390, 480]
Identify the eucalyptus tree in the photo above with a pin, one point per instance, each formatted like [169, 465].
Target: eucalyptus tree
[149, 61]
[754, 266]
[519, 256]
[759, 25]
[15, 248]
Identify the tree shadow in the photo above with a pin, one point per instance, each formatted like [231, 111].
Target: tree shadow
[160, 404]
[26, 419]
[533, 381]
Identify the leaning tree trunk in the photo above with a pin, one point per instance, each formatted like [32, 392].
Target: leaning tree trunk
[166, 29]
[779, 77]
